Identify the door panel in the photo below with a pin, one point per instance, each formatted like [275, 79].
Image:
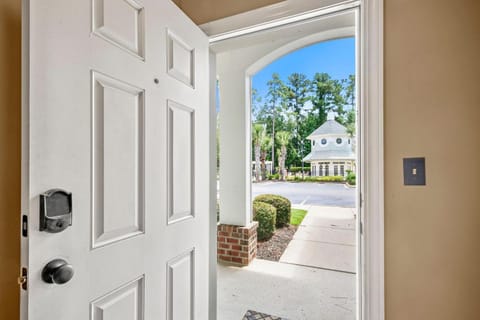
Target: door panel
[180, 124]
[181, 284]
[119, 117]
[181, 60]
[121, 23]
[124, 303]
[118, 160]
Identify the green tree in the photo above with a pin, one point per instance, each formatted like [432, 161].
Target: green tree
[350, 98]
[327, 96]
[283, 138]
[299, 106]
[271, 112]
[264, 149]
[258, 135]
[256, 103]
[298, 93]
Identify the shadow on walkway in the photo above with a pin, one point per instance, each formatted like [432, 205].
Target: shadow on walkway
[285, 290]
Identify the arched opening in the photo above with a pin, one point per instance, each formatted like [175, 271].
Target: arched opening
[238, 62]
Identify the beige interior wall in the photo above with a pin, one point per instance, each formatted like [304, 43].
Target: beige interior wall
[201, 11]
[432, 109]
[10, 57]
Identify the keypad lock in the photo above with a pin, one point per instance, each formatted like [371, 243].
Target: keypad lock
[55, 210]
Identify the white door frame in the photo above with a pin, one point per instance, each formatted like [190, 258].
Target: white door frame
[371, 297]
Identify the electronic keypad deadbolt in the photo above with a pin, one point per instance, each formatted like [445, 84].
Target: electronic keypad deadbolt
[55, 210]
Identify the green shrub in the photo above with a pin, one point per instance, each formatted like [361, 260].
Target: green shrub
[299, 169]
[325, 179]
[294, 178]
[275, 176]
[283, 206]
[316, 179]
[265, 214]
[351, 178]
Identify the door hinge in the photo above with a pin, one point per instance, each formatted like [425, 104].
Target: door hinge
[23, 278]
[25, 225]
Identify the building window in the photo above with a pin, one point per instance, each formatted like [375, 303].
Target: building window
[342, 170]
[313, 142]
[320, 170]
[324, 141]
[335, 170]
[327, 171]
[339, 140]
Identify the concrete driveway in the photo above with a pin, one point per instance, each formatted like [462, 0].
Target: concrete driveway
[309, 193]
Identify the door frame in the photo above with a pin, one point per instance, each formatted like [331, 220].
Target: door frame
[371, 280]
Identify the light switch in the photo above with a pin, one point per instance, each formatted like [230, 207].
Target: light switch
[414, 172]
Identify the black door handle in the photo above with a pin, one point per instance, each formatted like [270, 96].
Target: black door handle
[57, 271]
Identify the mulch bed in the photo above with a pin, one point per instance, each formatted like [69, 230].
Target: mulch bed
[273, 249]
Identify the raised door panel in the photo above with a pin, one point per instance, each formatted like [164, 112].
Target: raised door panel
[123, 303]
[180, 287]
[180, 126]
[180, 60]
[120, 22]
[118, 160]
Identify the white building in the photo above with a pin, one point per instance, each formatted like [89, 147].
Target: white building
[268, 167]
[332, 149]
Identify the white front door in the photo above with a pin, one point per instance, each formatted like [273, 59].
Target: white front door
[116, 114]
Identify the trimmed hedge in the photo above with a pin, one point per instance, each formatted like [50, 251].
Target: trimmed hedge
[318, 179]
[275, 176]
[265, 214]
[299, 169]
[282, 204]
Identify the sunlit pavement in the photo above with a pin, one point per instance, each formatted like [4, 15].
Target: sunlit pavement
[326, 239]
[285, 290]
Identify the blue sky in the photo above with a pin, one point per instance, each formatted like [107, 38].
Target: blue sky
[335, 57]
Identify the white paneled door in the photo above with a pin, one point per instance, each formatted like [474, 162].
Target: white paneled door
[116, 116]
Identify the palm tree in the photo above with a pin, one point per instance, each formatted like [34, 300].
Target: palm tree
[258, 135]
[265, 147]
[283, 138]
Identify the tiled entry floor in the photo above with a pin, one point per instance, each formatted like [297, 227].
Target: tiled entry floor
[285, 290]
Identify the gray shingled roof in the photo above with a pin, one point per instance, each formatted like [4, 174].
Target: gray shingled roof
[329, 127]
[330, 152]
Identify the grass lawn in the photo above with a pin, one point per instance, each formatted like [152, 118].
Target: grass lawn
[297, 216]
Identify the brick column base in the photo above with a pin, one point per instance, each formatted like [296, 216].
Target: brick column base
[237, 245]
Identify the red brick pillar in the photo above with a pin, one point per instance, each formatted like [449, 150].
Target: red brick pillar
[237, 245]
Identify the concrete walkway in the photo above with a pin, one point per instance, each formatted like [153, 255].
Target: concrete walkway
[325, 239]
[285, 290]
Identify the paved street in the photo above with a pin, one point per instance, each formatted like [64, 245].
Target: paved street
[309, 193]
